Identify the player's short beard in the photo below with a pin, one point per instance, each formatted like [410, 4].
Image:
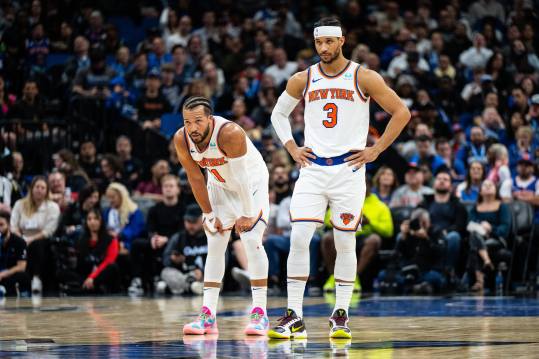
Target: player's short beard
[333, 58]
[204, 135]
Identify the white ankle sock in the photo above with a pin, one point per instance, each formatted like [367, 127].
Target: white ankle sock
[343, 294]
[211, 297]
[260, 295]
[295, 295]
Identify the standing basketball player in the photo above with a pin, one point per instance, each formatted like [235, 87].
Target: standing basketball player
[236, 193]
[336, 93]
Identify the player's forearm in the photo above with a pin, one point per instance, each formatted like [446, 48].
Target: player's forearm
[279, 117]
[198, 186]
[398, 121]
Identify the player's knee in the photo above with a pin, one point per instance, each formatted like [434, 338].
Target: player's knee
[301, 235]
[345, 242]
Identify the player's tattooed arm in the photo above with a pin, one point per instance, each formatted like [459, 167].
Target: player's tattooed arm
[295, 87]
[373, 84]
[194, 175]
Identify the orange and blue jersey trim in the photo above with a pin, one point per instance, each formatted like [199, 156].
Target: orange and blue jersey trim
[330, 77]
[308, 81]
[359, 92]
[217, 138]
[259, 219]
[293, 220]
[342, 229]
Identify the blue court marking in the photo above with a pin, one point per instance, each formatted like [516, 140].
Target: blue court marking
[208, 348]
[424, 307]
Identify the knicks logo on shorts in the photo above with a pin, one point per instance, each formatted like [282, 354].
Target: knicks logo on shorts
[347, 218]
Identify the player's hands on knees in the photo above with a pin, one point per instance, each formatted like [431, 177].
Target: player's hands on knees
[361, 157]
[244, 224]
[303, 155]
[211, 223]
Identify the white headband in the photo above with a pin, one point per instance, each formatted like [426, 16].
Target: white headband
[331, 31]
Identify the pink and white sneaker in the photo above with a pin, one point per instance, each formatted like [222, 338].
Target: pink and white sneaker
[259, 322]
[205, 324]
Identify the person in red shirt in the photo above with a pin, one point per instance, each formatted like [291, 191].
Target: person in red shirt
[92, 267]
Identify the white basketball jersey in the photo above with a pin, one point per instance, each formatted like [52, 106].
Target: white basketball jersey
[336, 111]
[215, 161]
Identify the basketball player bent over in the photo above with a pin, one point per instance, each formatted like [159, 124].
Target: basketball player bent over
[236, 193]
[337, 92]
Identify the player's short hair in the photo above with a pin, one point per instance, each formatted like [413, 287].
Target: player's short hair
[328, 21]
[195, 101]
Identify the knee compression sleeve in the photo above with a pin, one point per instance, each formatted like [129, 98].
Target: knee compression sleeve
[346, 261]
[256, 255]
[215, 260]
[298, 258]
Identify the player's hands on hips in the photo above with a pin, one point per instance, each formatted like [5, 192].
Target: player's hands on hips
[244, 224]
[361, 157]
[302, 155]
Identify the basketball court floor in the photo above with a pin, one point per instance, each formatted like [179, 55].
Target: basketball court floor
[383, 327]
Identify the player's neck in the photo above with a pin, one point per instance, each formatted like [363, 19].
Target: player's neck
[335, 66]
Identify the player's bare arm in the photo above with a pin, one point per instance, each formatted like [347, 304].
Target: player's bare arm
[279, 118]
[232, 141]
[373, 84]
[194, 175]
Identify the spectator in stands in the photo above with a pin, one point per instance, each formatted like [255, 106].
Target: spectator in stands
[64, 42]
[6, 100]
[489, 228]
[476, 150]
[136, 77]
[447, 216]
[385, 182]
[164, 219]
[180, 35]
[121, 101]
[524, 146]
[183, 70]
[152, 104]
[18, 179]
[35, 218]
[411, 193]
[185, 255]
[111, 171]
[31, 105]
[95, 270]
[477, 55]
[132, 166]
[152, 189]
[280, 183]
[72, 219]
[88, 159]
[468, 191]
[282, 69]
[122, 64]
[92, 82]
[418, 253]
[376, 225]
[79, 60]
[96, 31]
[123, 218]
[13, 277]
[6, 189]
[170, 89]
[526, 185]
[453, 165]
[159, 55]
[59, 193]
[37, 47]
[499, 173]
[65, 162]
[425, 156]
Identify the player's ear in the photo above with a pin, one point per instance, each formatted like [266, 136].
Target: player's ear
[342, 40]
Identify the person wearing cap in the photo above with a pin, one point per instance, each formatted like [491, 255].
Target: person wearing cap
[185, 255]
[412, 192]
[152, 105]
[526, 185]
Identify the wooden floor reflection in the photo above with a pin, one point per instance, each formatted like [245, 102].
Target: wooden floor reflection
[125, 327]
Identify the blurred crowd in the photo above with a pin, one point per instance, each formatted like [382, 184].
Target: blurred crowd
[93, 198]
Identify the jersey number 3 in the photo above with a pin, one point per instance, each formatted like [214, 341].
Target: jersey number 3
[217, 175]
[331, 109]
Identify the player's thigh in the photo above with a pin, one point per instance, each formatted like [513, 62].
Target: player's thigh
[346, 197]
[224, 203]
[309, 201]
